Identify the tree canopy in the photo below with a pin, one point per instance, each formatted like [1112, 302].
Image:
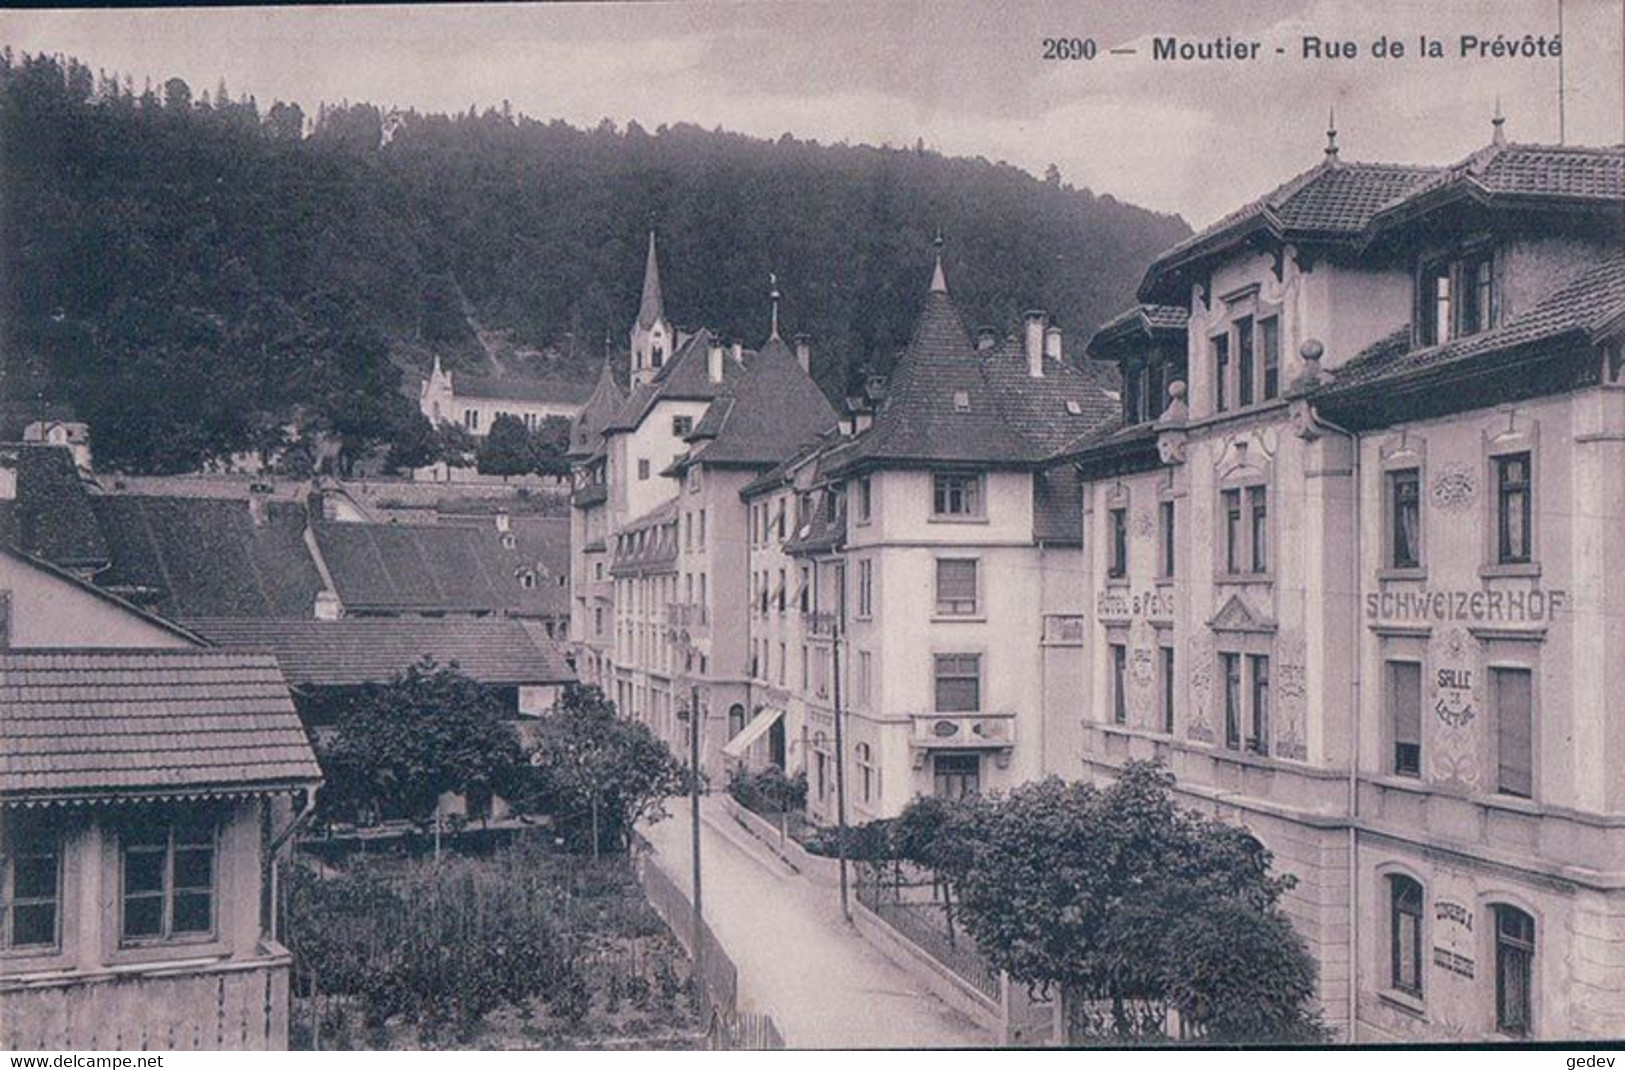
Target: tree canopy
[175, 262]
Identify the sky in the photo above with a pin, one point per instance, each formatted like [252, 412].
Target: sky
[1197, 137]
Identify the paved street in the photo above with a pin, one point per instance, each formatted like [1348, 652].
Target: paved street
[798, 960]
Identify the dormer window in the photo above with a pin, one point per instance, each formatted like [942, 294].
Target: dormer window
[1456, 298]
[962, 401]
[682, 426]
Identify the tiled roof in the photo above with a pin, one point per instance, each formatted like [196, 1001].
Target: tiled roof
[586, 430]
[770, 409]
[510, 388]
[100, 724]
[1551, 170]
[650, 542]
[1134, 325]
[1589, 304]
[428, 567]
[824, 530]
[359, 650]
[51, 516]
[204, 557]
[124, 604]
[685, 377]
[948, 403]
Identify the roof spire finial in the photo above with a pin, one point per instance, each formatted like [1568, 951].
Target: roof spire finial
[773, 280]
[1499, 122]
[1331, 134]
[939, 281]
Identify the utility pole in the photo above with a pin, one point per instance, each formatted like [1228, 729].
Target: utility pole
[694, 822]
[839, 617]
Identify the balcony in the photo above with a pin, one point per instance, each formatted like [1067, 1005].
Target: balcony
[819, 625]
[961, 731]
[589, 495]
[684, 619]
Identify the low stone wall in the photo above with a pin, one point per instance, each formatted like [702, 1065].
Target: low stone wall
[816, 868]
[937, 978]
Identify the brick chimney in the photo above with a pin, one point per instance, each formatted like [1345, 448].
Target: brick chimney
[1034, 342]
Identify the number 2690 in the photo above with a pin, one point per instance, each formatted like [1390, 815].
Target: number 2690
[1069, 48]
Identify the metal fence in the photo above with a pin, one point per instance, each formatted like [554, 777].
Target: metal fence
[914, 908]
[727, 1027]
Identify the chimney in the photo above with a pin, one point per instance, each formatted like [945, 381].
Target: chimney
[328, 606]
[1034, 343]
[713, 362]
[257, 494]
[738, 350]
[986, 338]
[8, 476]
[804, 352]
[503, 524]
[1052, 343]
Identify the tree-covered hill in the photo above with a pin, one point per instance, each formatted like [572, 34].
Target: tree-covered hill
[191, 270]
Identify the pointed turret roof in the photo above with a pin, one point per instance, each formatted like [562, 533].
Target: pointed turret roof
[651, 307]
[586, 430]
[772, 408]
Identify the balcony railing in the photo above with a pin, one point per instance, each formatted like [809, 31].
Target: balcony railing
[819, 624]
[963, 731]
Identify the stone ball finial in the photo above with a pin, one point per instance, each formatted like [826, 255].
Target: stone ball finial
[1177, 390]
[1312, 350]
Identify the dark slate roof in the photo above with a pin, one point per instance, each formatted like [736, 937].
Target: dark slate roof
[1136, 325]
[51, 516]
[586, 430]
[207, 557]
[427, 567]
[685, 377]
[1330, 200]
[1012, 418]
[770, 409]
[110, 723]
[1582, 309]
[650, 305]
[104, 595]
[824, 530]
[650, 542]
[541, 543]
[360, 650]
[512, 388]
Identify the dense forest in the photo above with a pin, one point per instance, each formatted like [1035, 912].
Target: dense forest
[192, 270]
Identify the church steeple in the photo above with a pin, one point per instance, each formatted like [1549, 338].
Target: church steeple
[651, 337]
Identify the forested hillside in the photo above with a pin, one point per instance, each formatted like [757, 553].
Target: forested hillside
[190, 268]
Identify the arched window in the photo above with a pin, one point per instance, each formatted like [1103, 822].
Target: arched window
[736, 720]
[1514, 969]
[1405, 934]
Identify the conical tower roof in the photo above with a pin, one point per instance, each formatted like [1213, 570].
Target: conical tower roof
[602, 404]
[651, 307]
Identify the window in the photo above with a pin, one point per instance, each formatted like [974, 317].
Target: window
[804, 667]
[1258, 727]
[956, 587]
[784, 656]
[1232, 531]
[958, 683]
[1269, 344]
[866, 671]
[1405, 935]
[1119, 682]
[681, 426]
[1258, 502]
[701, 539]
[1513, 501]
[1513, 693]
[1230, 674]
[1405, 508]
[598, 620]
[168, 883]
[864, 502]
[688, 531]
[956, 495]
[779, 521]
[527, 579]
[962, 401]
[1405, 715]
[1117, 566]
[1477, 294]
[806, 591]
[1221, 371]
[866, 771]
[30, 885]
[780, 596]
[1168, 683]
[1245, 361]
[1514, 969]
[1435, 301]
[866, 588]
[643, 468]
[736, 720]
[1133, 410]
[1166, 556]
[956, 776]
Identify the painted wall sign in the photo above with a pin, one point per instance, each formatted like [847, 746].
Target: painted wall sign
[1121, 602]
[1479, 607]
[1451, 911]
[1460, 965]
[1454, 697]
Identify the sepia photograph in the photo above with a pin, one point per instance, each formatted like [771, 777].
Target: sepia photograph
[695, 525]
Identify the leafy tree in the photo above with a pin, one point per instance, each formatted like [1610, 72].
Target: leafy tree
[398, 747]
[506, 450]
[600, 773]
[457, 446]
[414, 442]
[1130, 904]
[548, 445]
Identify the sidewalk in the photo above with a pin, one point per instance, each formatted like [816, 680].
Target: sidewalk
[798, 959]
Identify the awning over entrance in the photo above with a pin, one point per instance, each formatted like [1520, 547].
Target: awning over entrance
[764, 719]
